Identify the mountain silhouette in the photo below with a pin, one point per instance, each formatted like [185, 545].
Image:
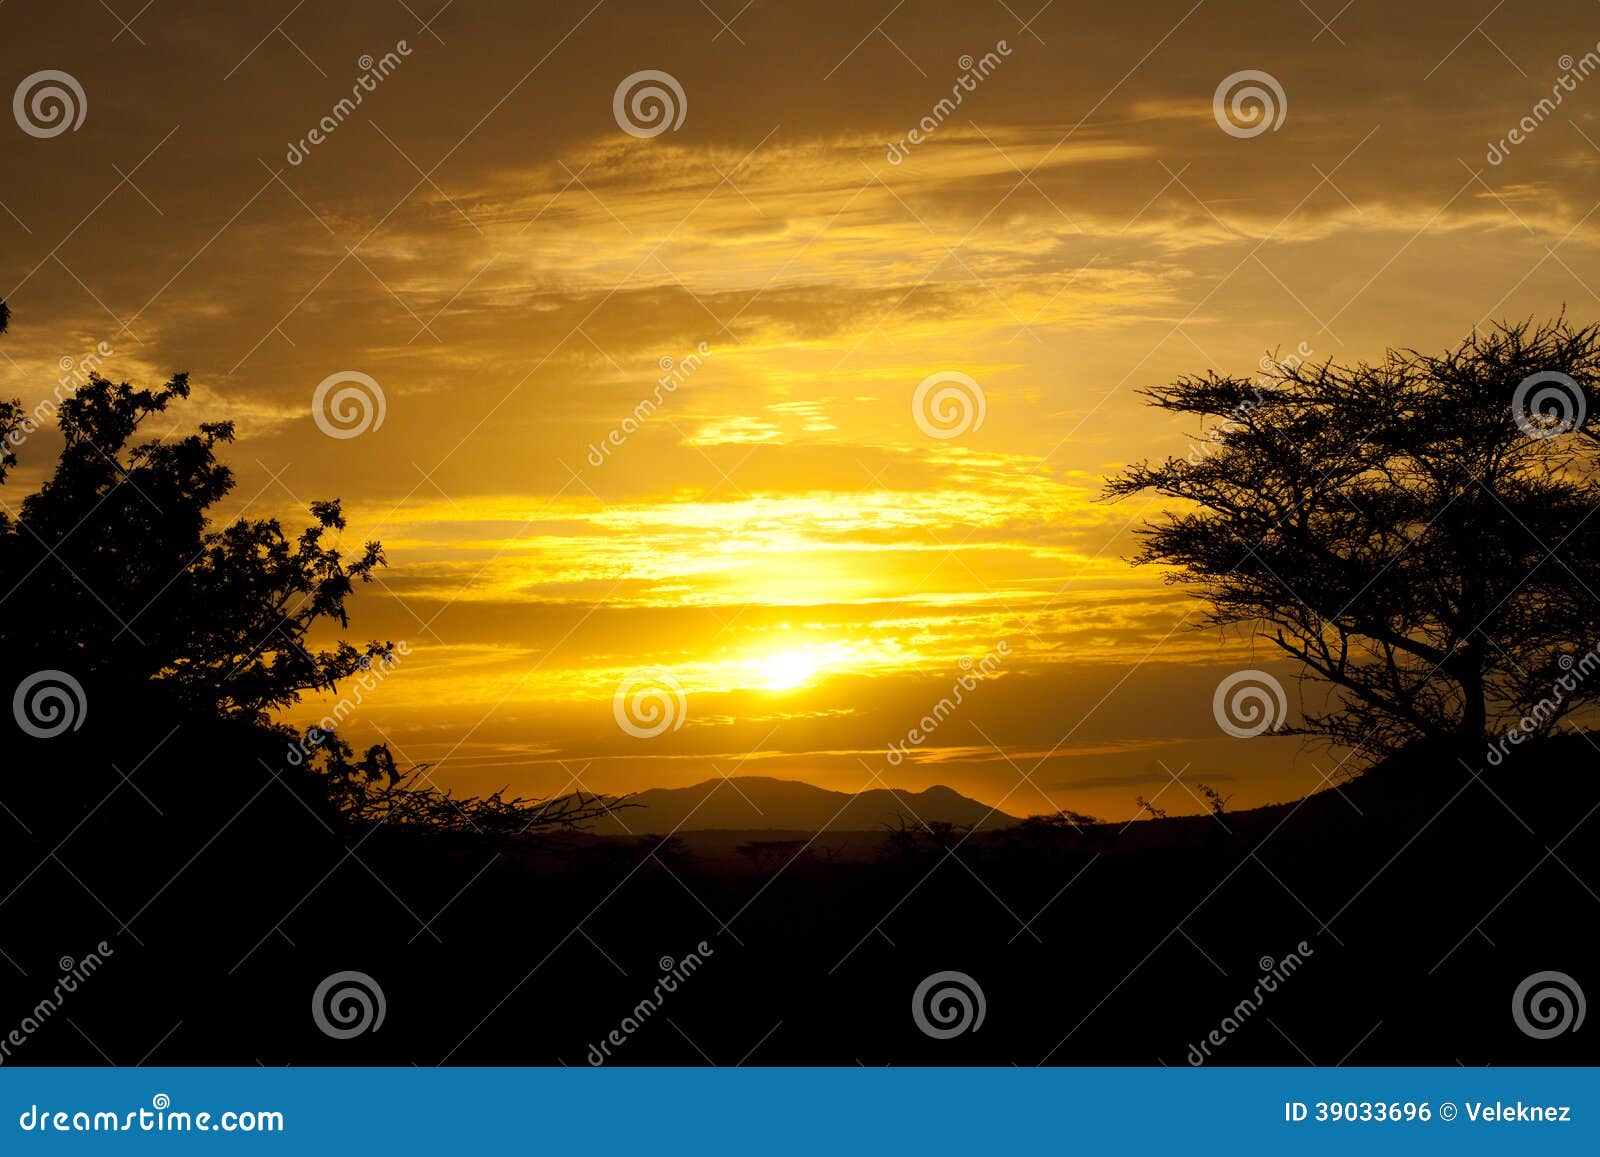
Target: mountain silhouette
[761, 803]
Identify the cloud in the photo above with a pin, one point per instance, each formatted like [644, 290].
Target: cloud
[512, 269]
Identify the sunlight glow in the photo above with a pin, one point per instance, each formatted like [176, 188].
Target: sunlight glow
[787, 670]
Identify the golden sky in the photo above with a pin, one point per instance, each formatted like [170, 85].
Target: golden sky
[778, 537]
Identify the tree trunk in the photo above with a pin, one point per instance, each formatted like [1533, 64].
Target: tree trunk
[1474, 727]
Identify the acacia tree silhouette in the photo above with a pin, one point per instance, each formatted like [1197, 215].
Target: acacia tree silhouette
[123, 584]
[1416, 533]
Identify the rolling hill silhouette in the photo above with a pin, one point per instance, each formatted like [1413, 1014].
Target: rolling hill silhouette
[760, 803]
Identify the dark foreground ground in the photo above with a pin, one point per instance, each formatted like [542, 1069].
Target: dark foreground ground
[1423, 897]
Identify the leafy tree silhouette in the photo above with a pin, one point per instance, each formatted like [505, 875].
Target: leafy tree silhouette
[1216, 802]
[1416, 533]
[1067, 820]
[141, 592]
[909, 839]
[127, 588]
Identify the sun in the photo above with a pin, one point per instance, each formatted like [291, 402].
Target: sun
[786, 670]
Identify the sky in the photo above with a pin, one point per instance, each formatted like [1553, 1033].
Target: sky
[897, 368]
